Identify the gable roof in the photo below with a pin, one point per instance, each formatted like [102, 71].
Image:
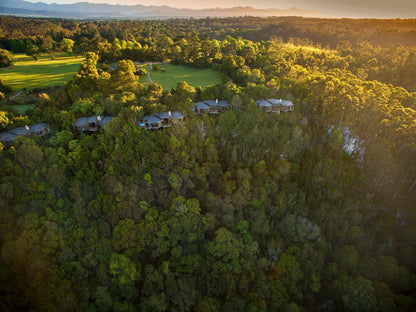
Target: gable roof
[21, 131]
[287, 103]
[105, 120]
[177, 115]
[82, 121]
[274, 101]
[8, 137]
[164, 115]
[152, 119]
[211, 103]
[38, 127]
[223, 103]
[201, 105]
[94, 119]
[263, 103]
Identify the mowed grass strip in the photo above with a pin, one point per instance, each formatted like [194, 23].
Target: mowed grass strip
[174, 74]
[28, 73]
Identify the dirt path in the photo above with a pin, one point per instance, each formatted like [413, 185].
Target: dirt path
[16, 95]
[148, 76]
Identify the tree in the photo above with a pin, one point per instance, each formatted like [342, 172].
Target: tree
[6, 59]
[357, 294]
[4, 120]
[125, 273]
[66, 45]
[123, 78]
[225, 250]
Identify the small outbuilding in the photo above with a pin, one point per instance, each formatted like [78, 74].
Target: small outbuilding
[40, 129]
[275, 105]
[287, 106]
[202, 108]
[151, 122]
[161, 120]
[91, 124]
[8, 138]
[224, 105]
[265, 105]
[81, 124]
[177, 116]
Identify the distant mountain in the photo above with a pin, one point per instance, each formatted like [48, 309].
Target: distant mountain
[85, 10]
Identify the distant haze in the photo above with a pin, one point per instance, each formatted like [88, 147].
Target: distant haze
[335, 8]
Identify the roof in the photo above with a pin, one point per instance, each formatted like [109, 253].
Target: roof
[263, 103]
[8, 137]
[177, 115]
[211, 103]
[105, 120]
[274, 101]
[38, 127]
[287, 103]
[21, 131]
[224, 103]
[94, 119]
[201, 105]
[164, 115]
[152, 119]
[82, 121]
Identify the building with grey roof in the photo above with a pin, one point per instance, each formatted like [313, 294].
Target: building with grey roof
[8, 138]
[91, 124]
[40, 129]
[265, 105]
[161, 120]
[103, 122]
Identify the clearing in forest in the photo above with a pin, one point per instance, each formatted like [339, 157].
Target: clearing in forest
[173, 74]
[45, 72]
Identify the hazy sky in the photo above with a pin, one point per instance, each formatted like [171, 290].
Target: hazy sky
[353, 8]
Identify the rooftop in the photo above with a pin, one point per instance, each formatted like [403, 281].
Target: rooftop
[38, 127]
[8, 137]
[21, 131]
[151, 119]
[263, 103]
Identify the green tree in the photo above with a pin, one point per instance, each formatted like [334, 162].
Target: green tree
[6, 59]
[67, 45]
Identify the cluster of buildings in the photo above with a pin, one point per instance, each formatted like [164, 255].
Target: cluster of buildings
[91, 124]
[155, 121]
[275, 106]
[211, 107]
[219, 106]
[39, 129]
[161, 120]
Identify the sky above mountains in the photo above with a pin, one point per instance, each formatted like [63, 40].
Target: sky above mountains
[336, 8]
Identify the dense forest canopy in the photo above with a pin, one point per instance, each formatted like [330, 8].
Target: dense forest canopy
[311, 210]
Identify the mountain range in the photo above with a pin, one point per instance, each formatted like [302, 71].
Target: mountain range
[85, 10]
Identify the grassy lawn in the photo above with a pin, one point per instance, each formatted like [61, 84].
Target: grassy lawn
[28, 73]
[174, 74]
[21, 109]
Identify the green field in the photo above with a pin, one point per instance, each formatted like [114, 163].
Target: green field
[174, 74]
[28, 73]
